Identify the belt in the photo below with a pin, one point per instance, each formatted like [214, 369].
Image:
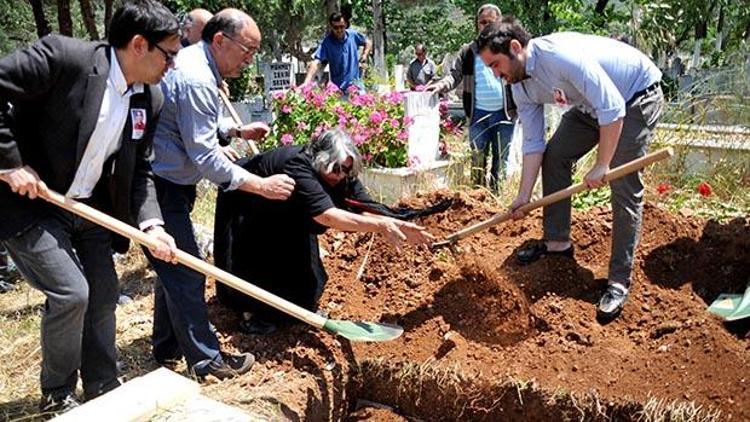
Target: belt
[648, 90]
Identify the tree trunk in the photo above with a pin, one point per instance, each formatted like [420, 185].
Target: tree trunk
[720, 30]
[88, 19]
[378, 38]
[701, 30]
[42, 26]
[600, 6]
[107, 16]
[64, 22]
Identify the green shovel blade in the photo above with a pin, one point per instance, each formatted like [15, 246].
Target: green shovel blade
[363, 331]
[725, 305]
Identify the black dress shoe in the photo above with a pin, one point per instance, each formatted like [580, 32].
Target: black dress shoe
[612, 302]
[54, 404]
[229, 367]
[258, 327]
[539, 249]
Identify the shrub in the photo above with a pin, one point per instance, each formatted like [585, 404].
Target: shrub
[376, 123]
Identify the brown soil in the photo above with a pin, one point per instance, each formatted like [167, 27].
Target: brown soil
[476, 311]
[487, 339]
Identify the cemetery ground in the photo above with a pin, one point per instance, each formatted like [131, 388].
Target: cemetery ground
[485, 338]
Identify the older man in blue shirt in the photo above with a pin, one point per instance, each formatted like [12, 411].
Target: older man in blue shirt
[187, 150]
[615, 101]
[340, 49]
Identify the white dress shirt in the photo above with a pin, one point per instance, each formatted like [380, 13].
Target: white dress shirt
[107, 135]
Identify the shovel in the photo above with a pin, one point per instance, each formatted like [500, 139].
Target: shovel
[236, 117]
[613, 174]
[352, 330]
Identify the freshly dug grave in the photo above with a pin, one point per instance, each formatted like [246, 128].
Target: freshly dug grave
[479, 327]
[487, 339]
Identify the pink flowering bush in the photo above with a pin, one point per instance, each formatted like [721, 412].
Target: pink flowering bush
[376, 123]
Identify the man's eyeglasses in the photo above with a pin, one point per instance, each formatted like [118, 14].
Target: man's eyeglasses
[246, 49]
[339, 168]
[168, 56]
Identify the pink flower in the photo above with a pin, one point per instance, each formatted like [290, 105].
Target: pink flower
[286, 109]
[279, 95]
[287, 139]
[705, 189]
[342, 121]
[331, 88]
[367, 156]
[413, 162]
[394, 123]
[403, 135]
[443, 108]
[395, 98]
[408, 121]
[301, 126]
[359, 139]
[352, 89]
[376, 117]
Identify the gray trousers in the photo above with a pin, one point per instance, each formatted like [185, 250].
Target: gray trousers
[578, 134]
[70, 261]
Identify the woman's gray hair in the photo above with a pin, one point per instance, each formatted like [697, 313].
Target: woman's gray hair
[332, 147]
[488, 6]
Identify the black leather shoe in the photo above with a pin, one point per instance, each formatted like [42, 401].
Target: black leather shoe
[231, 365]
[539, 249]
[54, 404]
[612, 302]
[257, 327]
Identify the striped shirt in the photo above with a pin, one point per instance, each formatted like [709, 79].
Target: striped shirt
[488, 89]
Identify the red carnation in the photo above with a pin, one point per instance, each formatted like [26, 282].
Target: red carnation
[704, 189]
[663, 188]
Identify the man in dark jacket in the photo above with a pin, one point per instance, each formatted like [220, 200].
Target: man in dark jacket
[67, 112]
[486, 103]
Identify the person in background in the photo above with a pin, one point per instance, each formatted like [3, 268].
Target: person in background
[422, 69]
[614, 100]
[71, 128]
[192, 26]
[340, 51]
[485, 104]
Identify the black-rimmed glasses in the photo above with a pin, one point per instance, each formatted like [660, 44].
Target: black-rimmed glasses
[168, 56]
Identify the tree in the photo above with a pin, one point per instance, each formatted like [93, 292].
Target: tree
[42, 26]
[88, 19]
[64, 21]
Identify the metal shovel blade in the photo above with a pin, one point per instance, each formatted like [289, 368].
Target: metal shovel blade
[441, 243]
[362, 331]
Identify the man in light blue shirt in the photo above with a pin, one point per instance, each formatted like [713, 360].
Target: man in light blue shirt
[484, 102]
[615, 101]
[186, 150]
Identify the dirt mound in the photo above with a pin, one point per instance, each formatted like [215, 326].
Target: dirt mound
[476, 310]
[486, 308]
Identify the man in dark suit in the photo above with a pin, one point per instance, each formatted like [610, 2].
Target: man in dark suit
[67, 111]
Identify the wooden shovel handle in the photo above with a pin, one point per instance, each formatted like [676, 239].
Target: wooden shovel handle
[184, 258]
[613, 174]
[236, 117]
